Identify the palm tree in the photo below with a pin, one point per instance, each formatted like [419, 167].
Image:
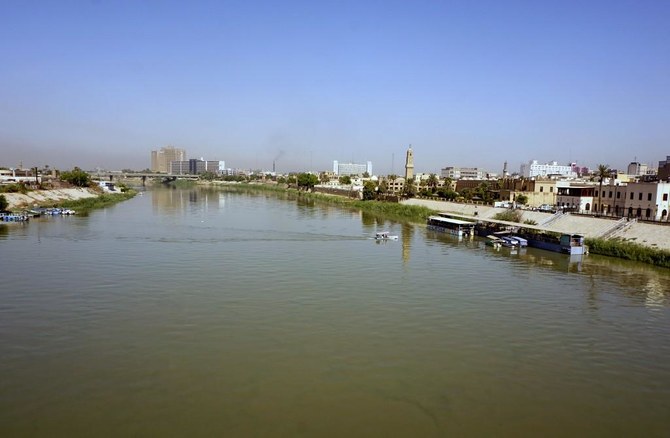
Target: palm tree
[432, 182]
[603, 172]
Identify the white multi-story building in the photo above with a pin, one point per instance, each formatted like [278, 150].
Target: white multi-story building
[342, 169]
[534, 169]
[463, 173]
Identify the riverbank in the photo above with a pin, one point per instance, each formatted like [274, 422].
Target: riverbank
[80, 199]
[641, 242]
[389, 210]
[47, 198]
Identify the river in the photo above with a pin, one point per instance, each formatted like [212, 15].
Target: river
[197, 312]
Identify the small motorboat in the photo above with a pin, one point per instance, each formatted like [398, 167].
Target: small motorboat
[384, 235]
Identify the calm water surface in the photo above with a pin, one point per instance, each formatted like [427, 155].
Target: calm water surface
[213, 313]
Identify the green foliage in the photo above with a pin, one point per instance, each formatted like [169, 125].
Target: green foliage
[82, 206]
[432, 181]
[366, 175]
[410, 188]
[14, 188]
[446, 193]
[629, 251]
[345, 180]
[208, 176]
[76, 177]
[3, 203]
[530, 222]
[307, 180]
[369, 191]
[522, 199]
[508, 215]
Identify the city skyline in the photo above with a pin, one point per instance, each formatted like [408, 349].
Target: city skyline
[100, 84]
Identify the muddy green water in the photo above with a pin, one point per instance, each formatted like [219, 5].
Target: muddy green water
[207, 313]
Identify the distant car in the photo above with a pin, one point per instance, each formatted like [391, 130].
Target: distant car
[546, 208]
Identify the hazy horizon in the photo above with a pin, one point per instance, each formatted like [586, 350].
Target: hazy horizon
[101, 84]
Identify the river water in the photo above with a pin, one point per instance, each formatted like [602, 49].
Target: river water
[199, 312]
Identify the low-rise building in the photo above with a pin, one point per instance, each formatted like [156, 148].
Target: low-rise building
[537, 191]
[577, 198]
[648, 200]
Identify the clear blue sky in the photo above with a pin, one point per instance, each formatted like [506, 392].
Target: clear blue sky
[102, 83]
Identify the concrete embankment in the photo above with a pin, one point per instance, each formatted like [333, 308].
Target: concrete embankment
[647, 234]
[42, 197]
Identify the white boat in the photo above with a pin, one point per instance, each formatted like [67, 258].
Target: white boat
[494, 241]
[384, 235]
[522, 242]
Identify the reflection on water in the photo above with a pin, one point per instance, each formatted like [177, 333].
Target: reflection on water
[218, 313]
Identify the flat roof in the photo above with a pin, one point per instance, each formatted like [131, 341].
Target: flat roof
[451, 220]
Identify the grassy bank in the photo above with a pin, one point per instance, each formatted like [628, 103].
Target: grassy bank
[389, 210]
[629, 251]
[85, 205]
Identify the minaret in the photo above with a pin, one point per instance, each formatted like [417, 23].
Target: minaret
[409, 164]
[505, 173]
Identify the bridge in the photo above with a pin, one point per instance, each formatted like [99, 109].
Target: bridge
[164, 177]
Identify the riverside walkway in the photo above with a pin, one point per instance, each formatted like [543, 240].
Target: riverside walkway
[647, 234]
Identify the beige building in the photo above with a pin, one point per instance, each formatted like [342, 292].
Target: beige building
[161, 159]
[538, 191]
[647, 200]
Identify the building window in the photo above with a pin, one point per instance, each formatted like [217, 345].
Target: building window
[630, 211]
[610, 194]
[664, 214]
[588, 206]
[648, 196]
[631, 195]
[551, 189]
[639, 197]
[648, 213]
[665, 196]
[618, 195]
[541, 189]
[639, 212]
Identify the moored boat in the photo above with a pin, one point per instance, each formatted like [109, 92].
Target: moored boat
[456, 227]
[572, 244]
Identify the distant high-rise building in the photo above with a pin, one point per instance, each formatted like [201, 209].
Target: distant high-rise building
[196, 167]
[637, 169]
[161, 159]
[342, 169]
[664, 169]
[409, 164]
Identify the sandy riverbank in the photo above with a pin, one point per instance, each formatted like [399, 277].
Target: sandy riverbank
[44, 197]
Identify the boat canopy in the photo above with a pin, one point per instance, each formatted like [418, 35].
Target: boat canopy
[448, 220]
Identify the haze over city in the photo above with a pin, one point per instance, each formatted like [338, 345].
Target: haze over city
[101, 84]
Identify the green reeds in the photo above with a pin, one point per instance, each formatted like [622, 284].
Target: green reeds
[85, 205]
[629, 251]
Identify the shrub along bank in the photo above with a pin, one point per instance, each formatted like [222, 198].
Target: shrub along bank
[629, 251]
[104, 200]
